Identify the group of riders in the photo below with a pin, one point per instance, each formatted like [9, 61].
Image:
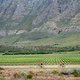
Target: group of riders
[61, 64]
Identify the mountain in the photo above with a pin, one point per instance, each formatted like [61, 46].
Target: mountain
[39, 21]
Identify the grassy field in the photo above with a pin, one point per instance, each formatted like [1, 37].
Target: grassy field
[56, 58]
[63, 40]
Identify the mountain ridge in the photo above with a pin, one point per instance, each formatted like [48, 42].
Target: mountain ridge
[38, 19]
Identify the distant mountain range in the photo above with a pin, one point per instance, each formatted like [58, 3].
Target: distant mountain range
[40, 22]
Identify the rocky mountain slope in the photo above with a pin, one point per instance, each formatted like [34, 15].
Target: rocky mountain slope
[43, 17]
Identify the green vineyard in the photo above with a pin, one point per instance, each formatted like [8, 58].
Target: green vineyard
[55, 58]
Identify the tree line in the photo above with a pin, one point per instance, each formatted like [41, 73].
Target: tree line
[16, 50]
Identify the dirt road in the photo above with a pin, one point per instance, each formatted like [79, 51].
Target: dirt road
[44, 66]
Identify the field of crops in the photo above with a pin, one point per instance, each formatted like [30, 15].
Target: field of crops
[55, 58]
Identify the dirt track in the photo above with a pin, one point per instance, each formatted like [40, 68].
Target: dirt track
[38, 67]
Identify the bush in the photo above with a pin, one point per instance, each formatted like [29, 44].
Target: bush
[29, 76]
[1, 68]
[66, 72]
[76, 73]
[17, 75]
[23, 74]
[55, 72]
[31, 72]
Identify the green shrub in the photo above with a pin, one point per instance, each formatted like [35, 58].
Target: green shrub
[29, 76]
[26, 76]
[55, 72]
[23, 74]
[76, 73]
[1, 68]
[66, 72]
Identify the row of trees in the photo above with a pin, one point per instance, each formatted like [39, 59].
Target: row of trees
[36, 49]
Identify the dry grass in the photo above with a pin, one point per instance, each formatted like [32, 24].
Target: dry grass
[24, 74]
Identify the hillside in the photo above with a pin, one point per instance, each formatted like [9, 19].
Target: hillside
[40, 22]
